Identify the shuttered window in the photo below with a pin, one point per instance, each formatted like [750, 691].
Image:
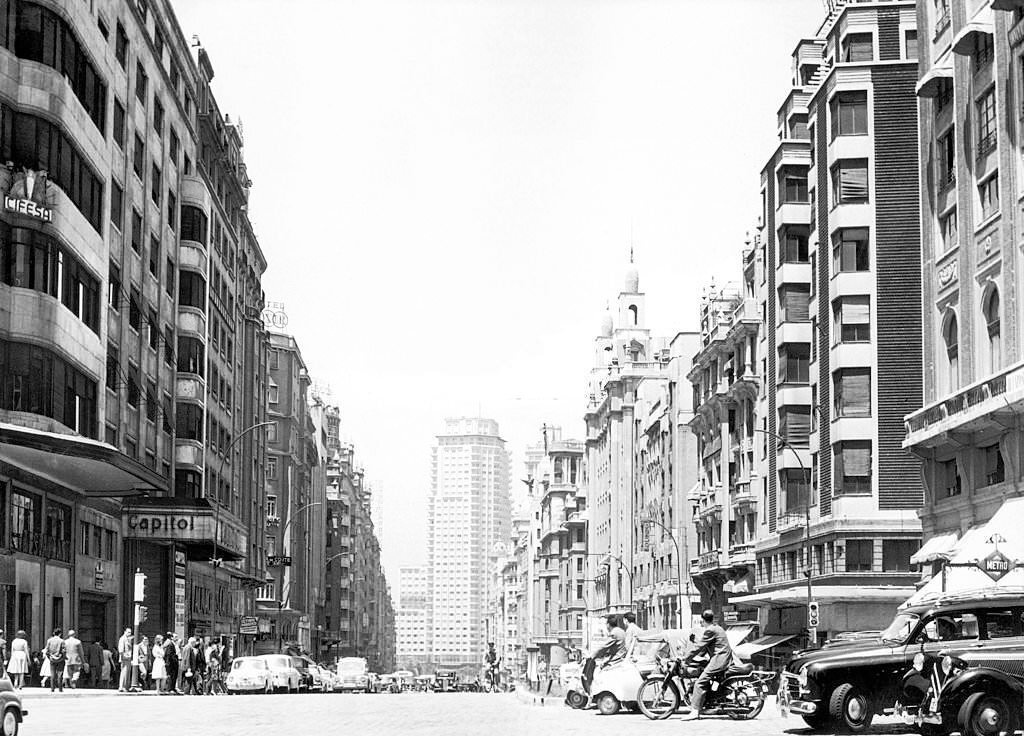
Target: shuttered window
[793, 184]
[852, 466]
[851, 250]
[995, 471]
[850, 182]
[794, 364]
[852, 391]
[858, 47]
[795, 489]
[795, 425]
[859, 554]
[794, 303]
[849, 113]
[853, 319]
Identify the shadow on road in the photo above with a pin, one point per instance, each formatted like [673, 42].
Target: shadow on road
[885, 729]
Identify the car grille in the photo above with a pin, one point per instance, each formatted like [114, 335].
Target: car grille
[789, 682]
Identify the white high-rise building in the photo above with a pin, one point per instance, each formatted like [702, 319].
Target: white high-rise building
[411, 617]
[468, 522]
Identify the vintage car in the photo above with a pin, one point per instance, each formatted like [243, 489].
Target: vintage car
[249, 675]
[10, 706]
[282, 674]
[850, 684]
[445, 680]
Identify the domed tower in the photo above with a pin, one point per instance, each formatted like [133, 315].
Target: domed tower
[631, 301]
[603, 341]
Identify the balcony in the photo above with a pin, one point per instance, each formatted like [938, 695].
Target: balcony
[39, 545]
[969, 410]
[741, 555]
[709, 561]
[792, 519]
[273, 520]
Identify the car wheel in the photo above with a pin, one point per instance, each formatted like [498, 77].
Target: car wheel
[851, 709]
[607, 704]
[10, 723]
[576, 699]
[983, 714]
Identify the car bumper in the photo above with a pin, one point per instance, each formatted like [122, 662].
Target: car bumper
[788, 704]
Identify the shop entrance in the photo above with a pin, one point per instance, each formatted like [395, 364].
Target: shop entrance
[92, 619]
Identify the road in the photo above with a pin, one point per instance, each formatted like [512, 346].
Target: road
[451, 714]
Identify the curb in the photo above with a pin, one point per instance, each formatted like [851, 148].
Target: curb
[40, 694]
[527, 697]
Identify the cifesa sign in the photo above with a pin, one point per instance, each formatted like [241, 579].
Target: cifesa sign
[27, 195]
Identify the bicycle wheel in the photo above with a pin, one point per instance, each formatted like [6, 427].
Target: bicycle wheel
[658, 698]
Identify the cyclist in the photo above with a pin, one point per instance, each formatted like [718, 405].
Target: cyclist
[491, 661]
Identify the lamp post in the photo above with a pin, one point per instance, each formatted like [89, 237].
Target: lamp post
[679, 569]
[280, 601]
[812, 632]
[622, 566]
[214, 560]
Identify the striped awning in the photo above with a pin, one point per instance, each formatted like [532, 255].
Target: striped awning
[967, 39]
[931, 83]
[939, 546]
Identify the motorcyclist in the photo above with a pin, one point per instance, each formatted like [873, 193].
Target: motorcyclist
[714, 643]
[491, 661]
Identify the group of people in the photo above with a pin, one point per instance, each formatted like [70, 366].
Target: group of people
[168, 664]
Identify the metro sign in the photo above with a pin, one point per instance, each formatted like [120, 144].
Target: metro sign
[996, 565]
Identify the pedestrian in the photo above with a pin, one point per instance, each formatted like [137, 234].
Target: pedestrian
[632, 631]
[42, 665]
[94, 662]
[56, 653]
[18, 665]
[124, 653]
[159, 665]
[3, 653]
[140, 658]
[171, 661]
[106, 666]
[75, 663]
[190, 666]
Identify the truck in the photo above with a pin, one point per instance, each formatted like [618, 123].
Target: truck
[353, 675]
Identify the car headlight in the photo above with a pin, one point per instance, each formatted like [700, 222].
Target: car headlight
[919, 662]
[950, 666]
[802, 677]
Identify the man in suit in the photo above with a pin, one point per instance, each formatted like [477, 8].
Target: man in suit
[94, 658]
[171, 661]
[55, 652]
[125, 647]
[716, 645]
[189, 665]
[75, 653]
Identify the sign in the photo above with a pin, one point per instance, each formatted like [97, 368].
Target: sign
[180, 561]
[98, 576]
[274, 316]
[183, 526]
[279, 560]
[996, 565]
[248, 625]
[27, 195]
[179, 607]
[730, 617]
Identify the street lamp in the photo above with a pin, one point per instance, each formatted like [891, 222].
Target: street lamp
[280, 601]
[622, 565]
[679, 569]
[214, 560]
[812, 632]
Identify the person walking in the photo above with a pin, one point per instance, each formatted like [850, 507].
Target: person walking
[124, 653]
[190, 666]
[140, 656]
[3, 653]
[106, 665]
[171, 661]
[716, 645]
[94, 662]
[18, 665]
[632, 631]
[159, 665]
[75, 663]
[56, 654]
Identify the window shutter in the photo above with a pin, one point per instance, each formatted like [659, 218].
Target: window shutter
[855, 393]
[856, 312]
[795, 304]
[837, 463]
[853, 182]
[857, 460]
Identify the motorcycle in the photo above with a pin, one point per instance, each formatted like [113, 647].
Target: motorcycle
[738, 693]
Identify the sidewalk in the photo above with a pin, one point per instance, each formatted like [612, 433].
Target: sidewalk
[42, 693]
[541, 697]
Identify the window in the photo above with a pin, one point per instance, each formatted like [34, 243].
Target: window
[271, 469]
[154, 256]
[169, 345]
[849, 113]
[986, 106]
[189, 421]
[910, 45]
[850, 182]
[992, 464]
[152, 407]
[992, 327]
[272, 432]
[850, 250]
[951, 338]
[156, 185]
[118, 128]
[141, 83]
[794, 303]
[795, 425]
[949, 480]
[852, 392]
[947, 159]
[794, 363]
[191, 290]
[948, 230]
[983, 51]
[795, 488]
[988, 194]
[896, 554]
[114, 287]
[134, 310]
[944, 96]
[187, 483]
[858, 47]
[797, 126]
[121, 46]
[852, 316]
[139, 157]
[172, 208]
[175, 144]
[158, 117]
[152, 329]
[110, 545]
[273, 393]
[852, 463]
[793, 183]
[859, 554]
[116, 205]
[136, 231]
[793, 245]
[134, 389]
[169, 277]
[113, 376]
[193, 224]
[190, 357]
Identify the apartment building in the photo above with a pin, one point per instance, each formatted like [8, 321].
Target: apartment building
[967, 433]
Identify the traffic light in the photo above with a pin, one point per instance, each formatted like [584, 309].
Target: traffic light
[812, 614]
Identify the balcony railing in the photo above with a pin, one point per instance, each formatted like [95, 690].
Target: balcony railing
[963, 405]
[33, 543]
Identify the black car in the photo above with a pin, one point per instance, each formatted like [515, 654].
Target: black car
[305, 676]
[849, 684]
[978, 700]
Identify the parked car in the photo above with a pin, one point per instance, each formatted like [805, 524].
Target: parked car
[445, 680]
[248, 675]
[326, 679]
[10, 703]
[851, 683]
[353, 675]
[306, 681]
[283, 674]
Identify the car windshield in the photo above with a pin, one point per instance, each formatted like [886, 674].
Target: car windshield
[279, 662]
[900, 628]
[249, 664]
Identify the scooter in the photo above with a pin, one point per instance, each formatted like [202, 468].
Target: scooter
[739, 692]
[609, 687]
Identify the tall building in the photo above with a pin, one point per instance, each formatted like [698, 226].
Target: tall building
[839, 349]
[967, 433]
[468, 523]
[623, 356]
[127, 257]
[412, 649]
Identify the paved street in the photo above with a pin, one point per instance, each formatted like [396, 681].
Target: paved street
[412, 713]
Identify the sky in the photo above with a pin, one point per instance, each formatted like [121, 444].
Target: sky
[447, 191]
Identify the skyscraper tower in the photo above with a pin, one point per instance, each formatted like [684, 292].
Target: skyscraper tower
[468, 518]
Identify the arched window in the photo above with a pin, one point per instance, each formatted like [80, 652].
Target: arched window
[992, 327]
[634, 314]
[951, 337]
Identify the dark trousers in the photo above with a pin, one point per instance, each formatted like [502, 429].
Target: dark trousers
[172, 674]
[57, 679]
[191, 684]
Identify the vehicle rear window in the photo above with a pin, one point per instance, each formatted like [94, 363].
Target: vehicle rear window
[952, 626]
[999, 624]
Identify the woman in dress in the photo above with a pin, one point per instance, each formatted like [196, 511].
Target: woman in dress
[17, 668]
[106, 666]
[159, 666]
[45, 670]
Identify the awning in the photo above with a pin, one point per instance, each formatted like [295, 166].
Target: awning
[746, 651]
[186, 521]
[736, 634]
[970, 539]
[931, 83]
[937, 547]
[1007, 4]
[77, 463]
[797, 595]
[967, 39]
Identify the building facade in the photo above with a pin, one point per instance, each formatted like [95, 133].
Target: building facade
[411, 618]
[468, 521]
[968, 432]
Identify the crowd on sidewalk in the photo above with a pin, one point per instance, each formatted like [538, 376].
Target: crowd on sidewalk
[167, 665]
